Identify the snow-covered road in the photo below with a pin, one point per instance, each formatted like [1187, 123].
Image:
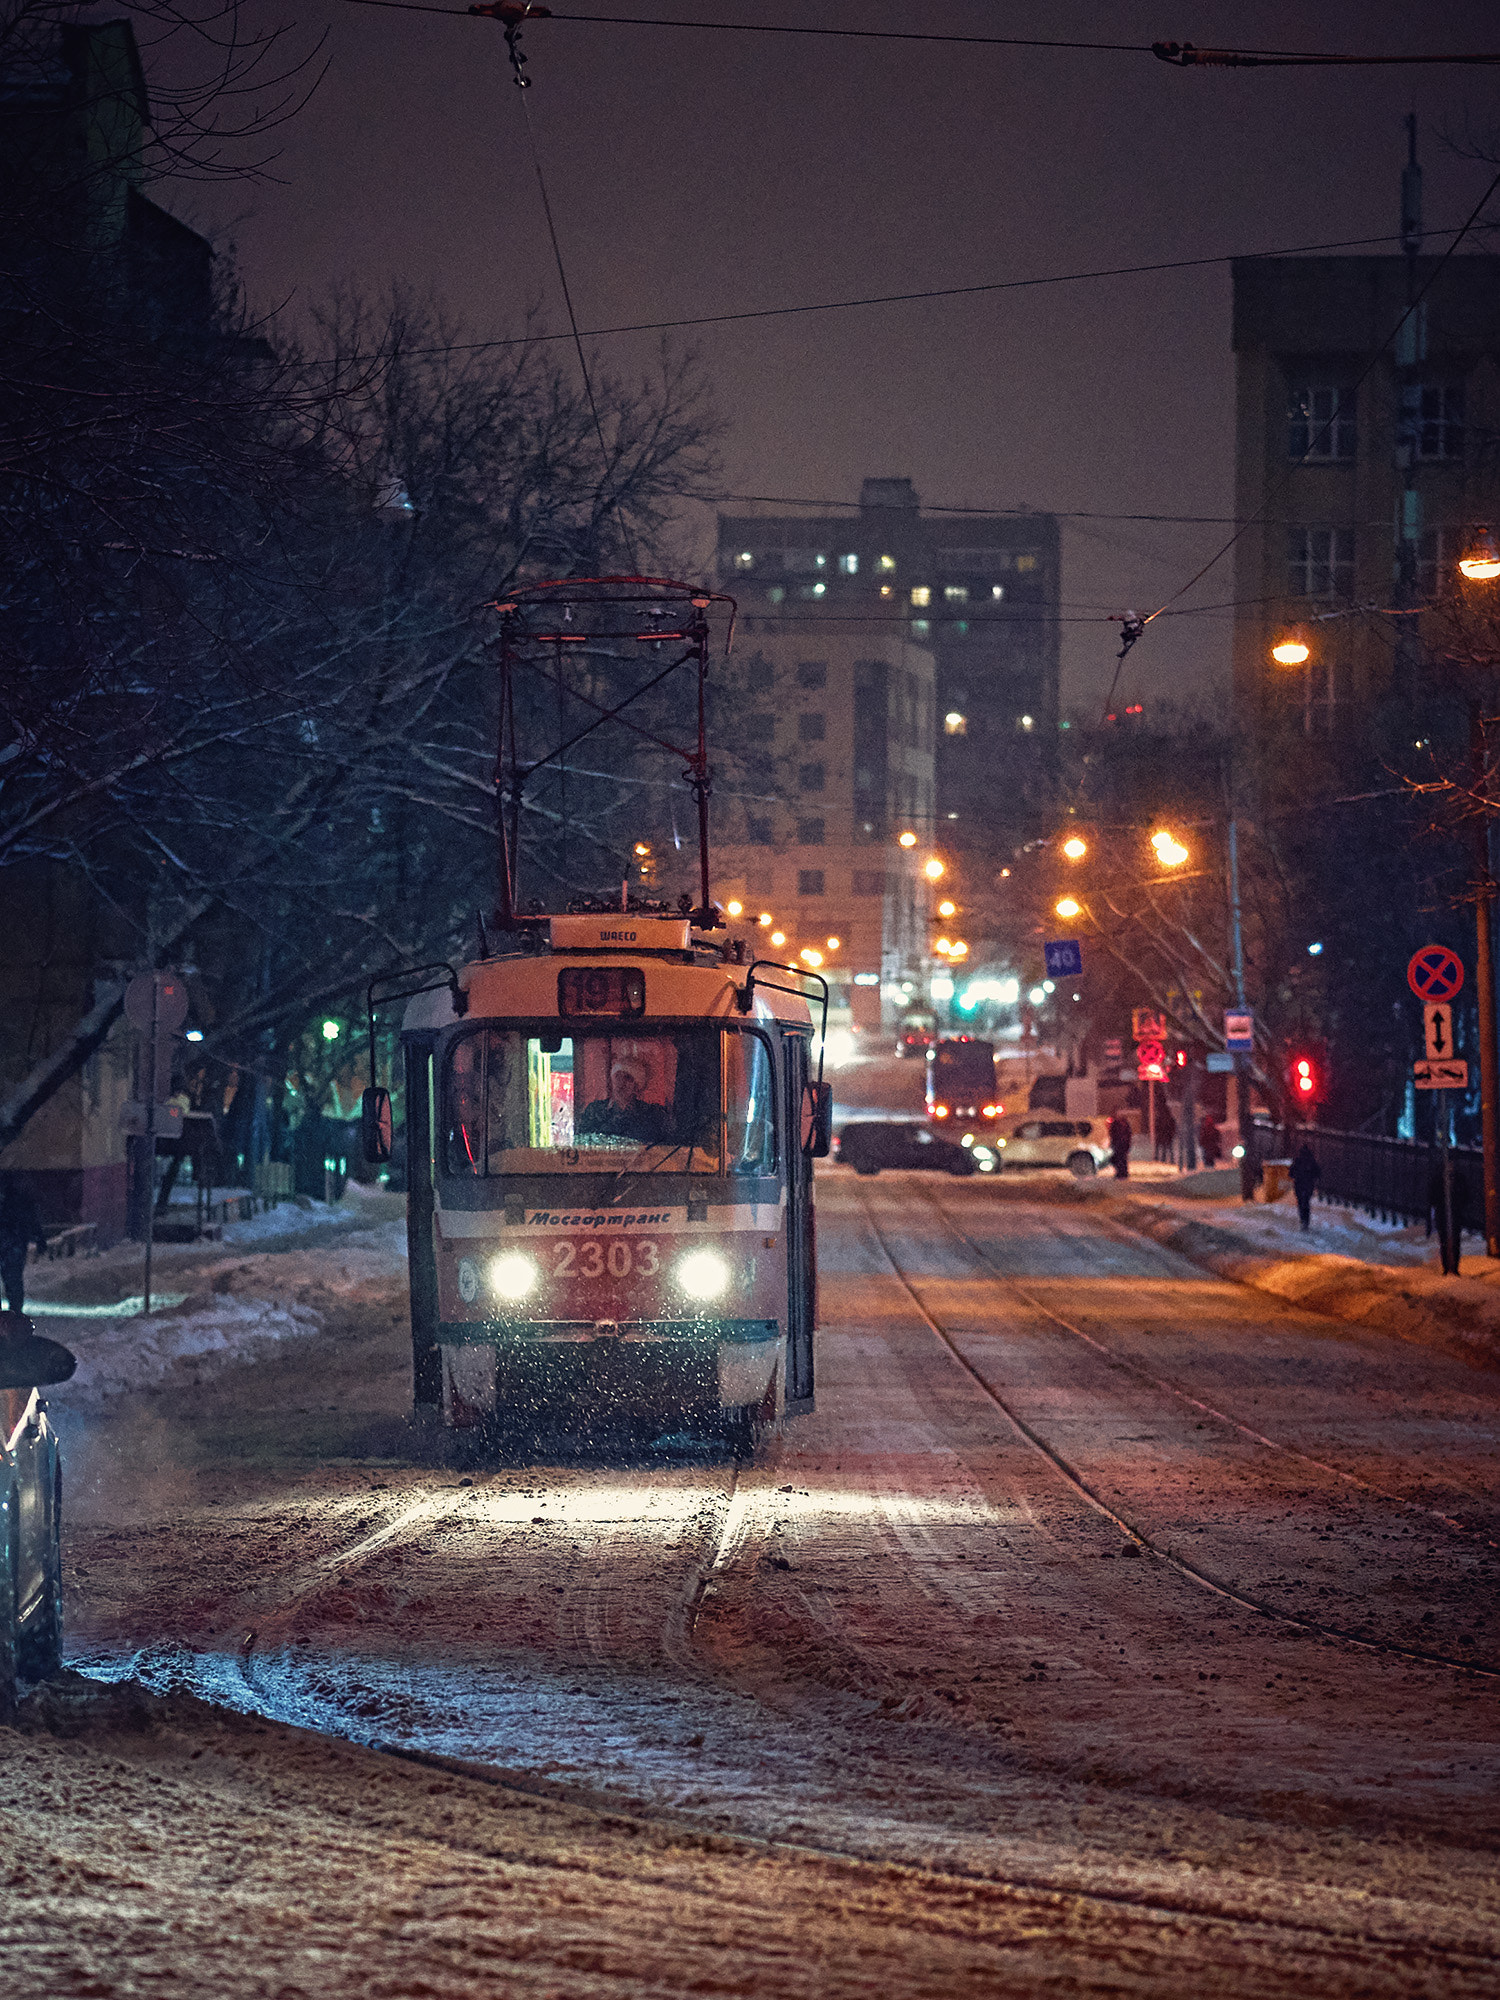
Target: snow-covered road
[1108, 1627]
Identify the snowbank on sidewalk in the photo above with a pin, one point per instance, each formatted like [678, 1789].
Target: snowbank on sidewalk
[176, 1348]
[241, 1309]
[1413, 1302]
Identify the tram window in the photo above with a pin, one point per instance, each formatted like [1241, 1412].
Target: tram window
[750, 1097]
[689, 1100]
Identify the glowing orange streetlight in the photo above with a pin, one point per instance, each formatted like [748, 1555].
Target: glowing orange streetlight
[764, 918]
[934, 869]
[833, 943]
[1291, 650]
[907, 839]
[1169, 850]
[947, 909]
[810, 957]
[1480, 561]
[1068, 906]
[734, 909]
[778, 938]
[1075, 848]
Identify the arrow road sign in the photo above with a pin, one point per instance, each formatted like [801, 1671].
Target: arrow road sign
[1437, 1029]
[1435, 973]
[1440, 1075]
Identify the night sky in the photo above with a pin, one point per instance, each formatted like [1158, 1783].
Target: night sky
[697, 172]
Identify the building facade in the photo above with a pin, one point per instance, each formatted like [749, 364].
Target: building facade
[1362, 462]
[825, 758]
[978, 592]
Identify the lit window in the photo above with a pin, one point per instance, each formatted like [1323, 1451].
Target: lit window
[1028, 722]
[849, 565]
[997, 591]
[955, 724]
[885, 590]
[921, 595]
[819, 588]
[920, 628]
[820, 562]
[886, 563]
[777, 593]
[956, 593]
[745, 559]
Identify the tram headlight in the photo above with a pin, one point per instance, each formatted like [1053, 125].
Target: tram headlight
[703, 1274]
[513, 1275]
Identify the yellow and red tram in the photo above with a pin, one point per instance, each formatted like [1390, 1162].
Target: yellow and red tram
[610, 1139]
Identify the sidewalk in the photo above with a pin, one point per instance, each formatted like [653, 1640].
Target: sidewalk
[1348, 1265]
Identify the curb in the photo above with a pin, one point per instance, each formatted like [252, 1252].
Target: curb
[1423, 1307]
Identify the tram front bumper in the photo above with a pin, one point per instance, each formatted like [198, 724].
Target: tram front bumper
[728, 1362]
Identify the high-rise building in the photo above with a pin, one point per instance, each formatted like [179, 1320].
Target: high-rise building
[979, 592]
[1362, 461]
[825, 758]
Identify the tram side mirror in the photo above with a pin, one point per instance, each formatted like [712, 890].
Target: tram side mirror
[375, 1124]
[817, 1120]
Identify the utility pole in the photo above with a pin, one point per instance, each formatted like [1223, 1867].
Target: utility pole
[1249, 1170]
[1484, 989]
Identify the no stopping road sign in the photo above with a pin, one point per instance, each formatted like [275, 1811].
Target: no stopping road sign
[1435, 972]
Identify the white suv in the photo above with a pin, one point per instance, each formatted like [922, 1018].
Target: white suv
[1042, 1139]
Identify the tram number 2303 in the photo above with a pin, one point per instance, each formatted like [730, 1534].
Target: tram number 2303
[620, 1258]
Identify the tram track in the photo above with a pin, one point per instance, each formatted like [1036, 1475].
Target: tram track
[1169, 1388]
[1074, 1478]
[1153, 1907]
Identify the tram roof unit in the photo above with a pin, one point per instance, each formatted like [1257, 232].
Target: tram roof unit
[526, 986]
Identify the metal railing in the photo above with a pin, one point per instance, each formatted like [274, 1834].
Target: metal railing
[1388, 1178]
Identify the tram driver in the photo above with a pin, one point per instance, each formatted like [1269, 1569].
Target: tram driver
[626, 1113]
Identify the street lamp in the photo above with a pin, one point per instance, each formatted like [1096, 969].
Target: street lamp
[1480, 561]
[947, 909]
[1170, 851]
[907, 839]
[1291, 650]
[734, 909]
[1075, 848]
[933, 869]
[1068, 906]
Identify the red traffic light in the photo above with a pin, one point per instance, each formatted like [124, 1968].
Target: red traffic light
[1305, 1080]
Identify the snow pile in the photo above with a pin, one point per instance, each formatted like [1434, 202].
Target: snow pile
[364, 1268]
[176, 1348]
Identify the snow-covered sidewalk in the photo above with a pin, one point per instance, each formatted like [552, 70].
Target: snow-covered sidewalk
[1348, 1265]
[217, 1306]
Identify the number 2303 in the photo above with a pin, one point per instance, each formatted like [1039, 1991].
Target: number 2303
[619, 1258]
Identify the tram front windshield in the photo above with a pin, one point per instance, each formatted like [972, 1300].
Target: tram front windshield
[684, 1100]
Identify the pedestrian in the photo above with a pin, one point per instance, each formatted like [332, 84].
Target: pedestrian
[1166, 1133]
[1306, 1173]
[20, 1227]
[1209, 1143]
[1120, 1135]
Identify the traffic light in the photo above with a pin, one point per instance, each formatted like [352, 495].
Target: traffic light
[1305, 1078]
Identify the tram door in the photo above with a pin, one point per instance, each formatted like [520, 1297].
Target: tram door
[800, 1250]
[427, 1356]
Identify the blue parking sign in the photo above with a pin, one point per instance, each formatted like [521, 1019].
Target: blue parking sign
[1064, 958]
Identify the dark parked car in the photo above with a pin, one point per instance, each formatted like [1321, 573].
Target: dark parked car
[870, 1144]
[30, 1510]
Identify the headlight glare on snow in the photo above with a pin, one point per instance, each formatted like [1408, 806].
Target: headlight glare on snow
[512, 1275]
[703, 1274]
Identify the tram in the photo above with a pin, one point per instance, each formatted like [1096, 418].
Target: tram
[611, 1121]
[961, 1081]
